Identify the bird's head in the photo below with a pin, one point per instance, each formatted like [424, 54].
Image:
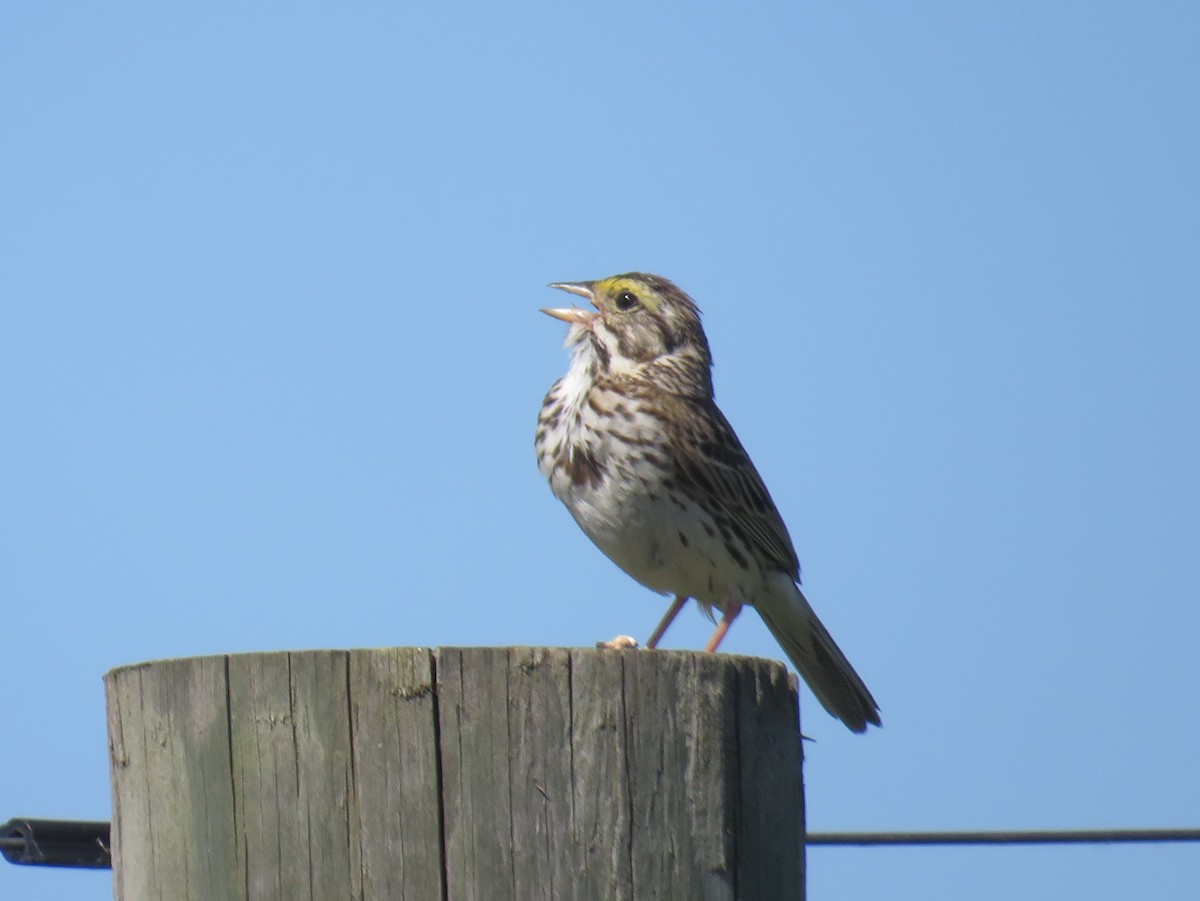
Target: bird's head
[639, 319]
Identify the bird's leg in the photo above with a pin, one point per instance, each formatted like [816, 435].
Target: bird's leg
[729, 614]
[672, 612]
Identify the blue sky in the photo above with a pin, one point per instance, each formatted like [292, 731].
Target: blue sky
[270, 362]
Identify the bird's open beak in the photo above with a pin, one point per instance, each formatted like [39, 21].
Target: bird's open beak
[574, 314]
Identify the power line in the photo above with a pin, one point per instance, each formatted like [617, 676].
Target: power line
[1017, 837]
[78, 843]
[56, 843]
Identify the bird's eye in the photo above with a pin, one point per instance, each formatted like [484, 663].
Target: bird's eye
[626, 301]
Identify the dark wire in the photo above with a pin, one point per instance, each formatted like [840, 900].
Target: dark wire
[85, 852]
[1028, 837]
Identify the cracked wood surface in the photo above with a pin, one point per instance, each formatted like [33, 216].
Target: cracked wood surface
[462, 773]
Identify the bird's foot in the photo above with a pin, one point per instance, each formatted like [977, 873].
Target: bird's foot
[620, 643]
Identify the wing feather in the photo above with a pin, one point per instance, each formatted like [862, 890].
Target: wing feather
[710, 457]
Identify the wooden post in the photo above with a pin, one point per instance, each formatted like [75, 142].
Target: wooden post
[461, 773]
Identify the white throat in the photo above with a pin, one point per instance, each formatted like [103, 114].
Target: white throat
[582, 371]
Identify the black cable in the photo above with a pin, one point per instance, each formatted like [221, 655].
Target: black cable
[1025, 837]
[78, 843]
[56, 843]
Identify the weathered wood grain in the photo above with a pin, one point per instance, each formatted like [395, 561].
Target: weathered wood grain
[173, 805]
[396, 767]
[466, 773]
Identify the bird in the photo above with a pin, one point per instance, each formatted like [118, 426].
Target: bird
[633, 444]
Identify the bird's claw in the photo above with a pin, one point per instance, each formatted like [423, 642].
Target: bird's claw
[620, 643]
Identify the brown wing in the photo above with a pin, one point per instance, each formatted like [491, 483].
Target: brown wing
[711, 458]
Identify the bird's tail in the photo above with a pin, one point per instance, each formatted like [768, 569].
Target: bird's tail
[816, 656]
